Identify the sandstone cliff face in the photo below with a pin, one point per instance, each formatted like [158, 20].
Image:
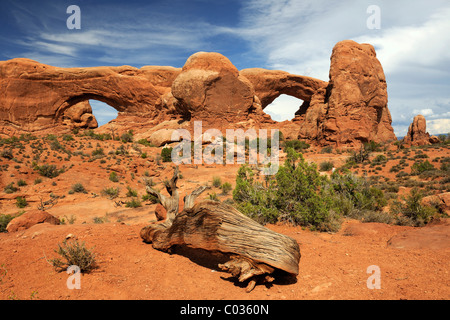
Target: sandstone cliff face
[353, 107]
[35, 96]
[349, 109]
[209, 88]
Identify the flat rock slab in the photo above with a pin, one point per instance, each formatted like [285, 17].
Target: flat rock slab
[433, 236]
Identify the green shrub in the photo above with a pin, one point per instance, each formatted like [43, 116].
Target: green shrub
[21, 183]
[113, 177]
[6, 218]
[145, 142]
[445, 165]
[49, 170]
[133, 203]
[131, 192]
[21, 202]
[295, 194]
[444, 138]
[74, 253]
[326, 166]
[372, 146]
[359, 156]
[226, 187]
[78, 188]
[357, 192]
[51, 137]
[411, 211]
[150, 197]
[127, 137]
[379, 159]
[7, 154]
[10, 188]
[213, 196]
[297, 145]
[300, 195]
[300, 192]
[111, 192]
[70, 220]
[102, 136]
[98, 152]
[166, 154]
[55, 145]
[67, 137]
[217, 182]
[99, 220]
[419, 167]
[327, 149]
[393, 188]
[121, 150]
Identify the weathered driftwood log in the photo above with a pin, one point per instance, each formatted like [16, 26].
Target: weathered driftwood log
[256, 251]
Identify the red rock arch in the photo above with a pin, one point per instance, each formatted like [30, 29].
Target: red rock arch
[270, 84]
[35, 96]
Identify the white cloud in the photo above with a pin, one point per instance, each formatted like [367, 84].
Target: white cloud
[283, 108]
[424, 112]
[37, 45]
[412, 45]
[417, 45]
[438, 126]
[121, 35]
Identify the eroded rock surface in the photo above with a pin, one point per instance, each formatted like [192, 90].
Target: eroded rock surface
[349, 109]
[417, 133]
[353, 107]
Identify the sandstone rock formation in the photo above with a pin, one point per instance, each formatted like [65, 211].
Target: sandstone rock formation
[210, 88]
[417, 133]
[35, 96]
[353, 107]
[80, 116]
[349, 109]
[29, 219]
[270, 84]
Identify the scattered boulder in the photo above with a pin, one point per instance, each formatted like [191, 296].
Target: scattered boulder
[80, 116]
[160, 212]
[162, 137]
[210, 88]
[29, 219]
[434, 139]
[441, 200]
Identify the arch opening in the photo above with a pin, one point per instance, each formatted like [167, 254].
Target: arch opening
[284, 107]
[87, 111]
[103, 112]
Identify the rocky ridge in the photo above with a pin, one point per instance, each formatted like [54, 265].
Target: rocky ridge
[349, 109]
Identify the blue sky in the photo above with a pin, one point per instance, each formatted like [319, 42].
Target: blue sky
[412, 43]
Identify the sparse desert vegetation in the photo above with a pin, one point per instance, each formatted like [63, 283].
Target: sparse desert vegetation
[90, 179]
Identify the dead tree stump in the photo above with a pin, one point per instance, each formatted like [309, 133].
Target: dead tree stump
[255, 251]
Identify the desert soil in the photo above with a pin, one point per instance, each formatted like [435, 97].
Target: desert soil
[413, 262]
